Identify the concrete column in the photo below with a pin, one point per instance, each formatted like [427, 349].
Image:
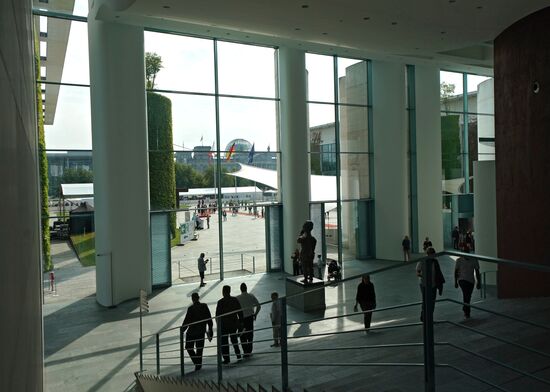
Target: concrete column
[294, 176]
[485, 200]
[119, 142]
[428, 156]
[390, 158]
[21, 363]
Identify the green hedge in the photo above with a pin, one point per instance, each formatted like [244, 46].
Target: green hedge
[162, 180]
[43, 166]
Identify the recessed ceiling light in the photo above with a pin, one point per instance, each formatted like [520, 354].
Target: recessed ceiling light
[443, 32]
[228, 33]
[416, 48]
[166, 6]
[324, 33]
[297, 29]
[341, 20]
[207, 31]
[366, 17]
[452, 1]
[479, 7]
[247, 36]
[393, 23]
[305, 6]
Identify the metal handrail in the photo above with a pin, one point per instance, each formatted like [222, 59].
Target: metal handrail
[428, 334]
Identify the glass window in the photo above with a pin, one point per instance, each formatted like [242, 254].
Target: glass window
[67, 118]
[246, 70]
[451, 89]
[187, 62]
[320, 74]
[354, 176]
[79, 8]
[248, 122]
[64, 50]
[352, 81]
[354, 135]
[451, 150]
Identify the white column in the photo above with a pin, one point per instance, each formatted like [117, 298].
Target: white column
[294, 136]
[119, 141]
[21, 363]
[428, 156]
[390, 158]
[485, 201]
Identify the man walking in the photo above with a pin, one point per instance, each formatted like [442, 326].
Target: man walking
[229, 324]
[201, 264]
[466, 275]
[456, 236]
[250, 307]
[200, 314]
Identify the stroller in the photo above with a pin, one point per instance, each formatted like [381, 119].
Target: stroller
[334, 270]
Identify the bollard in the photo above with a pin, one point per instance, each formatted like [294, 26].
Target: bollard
[157, 336]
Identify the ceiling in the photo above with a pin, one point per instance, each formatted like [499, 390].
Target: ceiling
[449, 32]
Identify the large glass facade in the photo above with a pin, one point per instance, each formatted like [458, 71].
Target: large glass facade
[224, 119]
[467, 135]
[340, 154]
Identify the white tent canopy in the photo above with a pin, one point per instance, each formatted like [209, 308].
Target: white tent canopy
[77, 190]
[323, 188]
[225, 191]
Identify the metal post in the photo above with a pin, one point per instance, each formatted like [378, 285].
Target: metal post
[219, 347]
[242, 260]
[157, 336]
[428, 306]
[182, 372]
[141, 354]
[179, 269]
[211, 261]
[284, 345]
[484, 291]
[253, 264]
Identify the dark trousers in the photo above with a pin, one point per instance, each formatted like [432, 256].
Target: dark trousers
[232, 334]
[201, 274]
[247, 335]
[367, 316]
[434, 295]
[467, 289]
[190, 343]
[455, 243]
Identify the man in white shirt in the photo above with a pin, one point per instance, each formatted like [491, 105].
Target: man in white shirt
[250, 307]
[466, 275]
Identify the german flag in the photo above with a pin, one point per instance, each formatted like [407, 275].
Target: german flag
[230, 152]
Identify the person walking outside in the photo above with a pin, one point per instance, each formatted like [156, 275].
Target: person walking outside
[275, 316]
[437, 279]
[250, 307]
[366, 298]
[194, 338]
[201, 264]
[406, 244]
[230, 324]
[466, 275]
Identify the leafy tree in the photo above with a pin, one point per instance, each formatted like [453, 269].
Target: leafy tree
[446, 90]
[450, 146]
[208, 177]
[153, 64]
[77, 176]
[187, 176]
[43, 166]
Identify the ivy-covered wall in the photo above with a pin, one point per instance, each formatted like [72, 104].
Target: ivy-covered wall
[43, 167]
[162, 180]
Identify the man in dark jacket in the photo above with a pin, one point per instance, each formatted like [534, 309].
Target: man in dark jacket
[230, 324]
[195, 332]
[366, 297]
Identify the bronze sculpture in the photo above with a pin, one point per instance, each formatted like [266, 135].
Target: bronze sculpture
[307, 253]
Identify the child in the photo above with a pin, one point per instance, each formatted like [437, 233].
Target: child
[276, 319]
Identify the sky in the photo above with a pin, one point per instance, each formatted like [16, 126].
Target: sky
[188, 65]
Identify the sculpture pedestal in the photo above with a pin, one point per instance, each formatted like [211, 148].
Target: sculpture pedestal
[306, 297]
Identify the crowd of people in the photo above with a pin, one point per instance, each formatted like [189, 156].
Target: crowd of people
[235, 317]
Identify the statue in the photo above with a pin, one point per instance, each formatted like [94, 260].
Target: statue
[307, 254]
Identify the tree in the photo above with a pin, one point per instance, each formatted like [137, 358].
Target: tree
[153, 64]
[187, 176]
[208, 177]
[446, 90]
[77, 176]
